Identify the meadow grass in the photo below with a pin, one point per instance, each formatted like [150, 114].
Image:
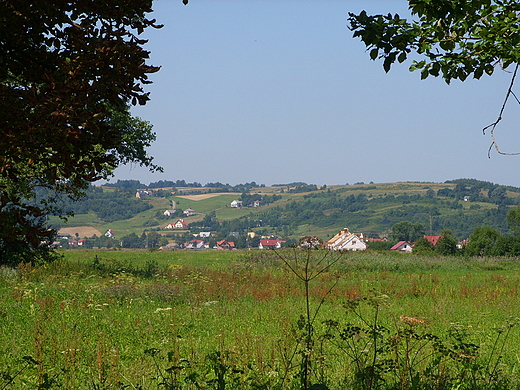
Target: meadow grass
[219, 319]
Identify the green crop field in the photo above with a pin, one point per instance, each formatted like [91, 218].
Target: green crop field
[238, 320]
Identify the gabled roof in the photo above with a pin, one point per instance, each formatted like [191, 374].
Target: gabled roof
[271, 242]
[399, 245]
[343, 238]
[433, 239]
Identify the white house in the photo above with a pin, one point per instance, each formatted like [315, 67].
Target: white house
[270, 244]
[195, 244]
[402, 246]
[110, 233]
[142, 193]
[170, 212]
[236, 203]
[346, 240]
[189, 212]
[180, 224]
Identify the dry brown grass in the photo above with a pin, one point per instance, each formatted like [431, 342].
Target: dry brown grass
[207, 196]
[83, 231]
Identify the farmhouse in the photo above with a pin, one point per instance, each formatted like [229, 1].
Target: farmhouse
[143, 193]
[189, 212]
[223, 244]
[180, 224]
[402, 246]
[432, 239]
[236, 203]
[346, 240]
[110, 233]
[270, 244]
[195, 244]
[169, 213]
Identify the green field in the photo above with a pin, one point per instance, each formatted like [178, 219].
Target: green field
[238, 320]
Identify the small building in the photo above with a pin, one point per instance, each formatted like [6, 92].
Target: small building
[346, 240]
[236, 203]
[223, 244]
[143, 193]
[270, 244]
[169, 213]
[110, 233]
[180, 224]
[433, 239]
[189, 212]
[195, 244]
[402, 246]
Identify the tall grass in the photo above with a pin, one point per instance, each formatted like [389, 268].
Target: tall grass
[233, 320]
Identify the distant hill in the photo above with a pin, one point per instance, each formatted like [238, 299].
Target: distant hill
[297, 209]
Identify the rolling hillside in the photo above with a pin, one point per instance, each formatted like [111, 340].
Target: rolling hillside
[459, 205]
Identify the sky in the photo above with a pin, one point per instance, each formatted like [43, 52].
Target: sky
[278, 91]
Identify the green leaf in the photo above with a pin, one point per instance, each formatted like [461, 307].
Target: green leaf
[387, 63]
[374, 53]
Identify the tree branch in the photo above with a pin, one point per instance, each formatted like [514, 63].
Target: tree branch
[493, 126]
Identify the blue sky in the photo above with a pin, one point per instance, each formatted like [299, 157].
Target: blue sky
[277, 91]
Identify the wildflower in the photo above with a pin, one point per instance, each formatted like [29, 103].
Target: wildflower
[159, 309]
[412, 320]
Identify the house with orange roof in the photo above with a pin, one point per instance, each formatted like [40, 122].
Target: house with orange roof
[223, 244]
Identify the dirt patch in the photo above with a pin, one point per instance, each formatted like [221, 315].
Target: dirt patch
[207, 196]
[83, 231]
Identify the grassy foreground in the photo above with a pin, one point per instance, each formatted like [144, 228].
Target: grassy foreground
[239, 320]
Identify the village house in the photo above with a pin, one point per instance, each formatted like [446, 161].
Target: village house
[79, 242]
[195, 244]
[189, 212]
[270, 244]
[236, 203]
[143, 193]
[180, 224]
[346, 240]
[223, 244]
[402, 246]
[110, 233]
[169, 213]
[433, 239]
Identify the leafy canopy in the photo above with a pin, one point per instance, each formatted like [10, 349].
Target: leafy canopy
[455, 39]
[68, 71]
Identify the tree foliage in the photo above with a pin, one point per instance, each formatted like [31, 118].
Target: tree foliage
[455, 39]
[68, 70]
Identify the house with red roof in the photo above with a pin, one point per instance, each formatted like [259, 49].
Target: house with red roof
[270, 244]
[223, 244]
[180, 224]
[195, 244]
[402, 246]
[432, 239]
